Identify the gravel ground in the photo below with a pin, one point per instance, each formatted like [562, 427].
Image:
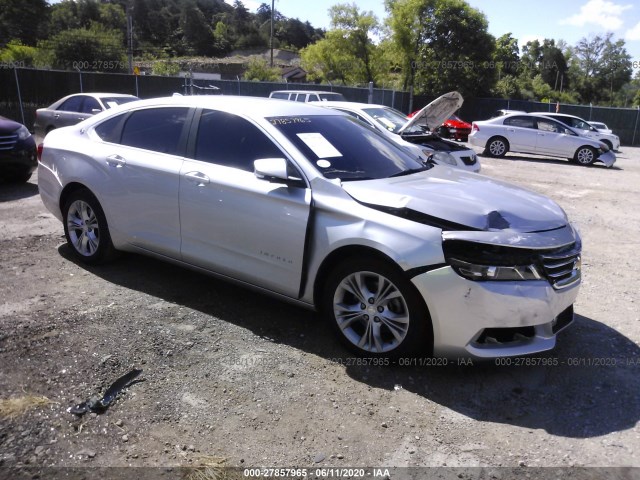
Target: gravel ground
[238, 379]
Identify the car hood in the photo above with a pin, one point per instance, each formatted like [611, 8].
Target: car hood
[437, 111]
[8, 126]
[453, 199]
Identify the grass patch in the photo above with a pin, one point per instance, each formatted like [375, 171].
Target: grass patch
[213, 468]
[13, 407]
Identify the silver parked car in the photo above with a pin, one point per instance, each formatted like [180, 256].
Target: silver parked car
[585, 128]
[539, 135]
[601, 127]
[72, 109]
[312, 206]
[408, 132]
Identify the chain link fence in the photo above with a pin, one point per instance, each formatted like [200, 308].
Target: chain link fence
[23, 90]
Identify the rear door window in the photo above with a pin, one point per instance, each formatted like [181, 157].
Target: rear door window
[156, 129]
[523, 122]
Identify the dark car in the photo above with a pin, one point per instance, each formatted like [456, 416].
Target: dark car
[17, 152]
[73, 109]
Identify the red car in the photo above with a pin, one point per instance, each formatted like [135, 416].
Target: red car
[453, 127]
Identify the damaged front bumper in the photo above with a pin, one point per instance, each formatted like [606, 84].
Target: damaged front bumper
[608, 158]
[493, 319]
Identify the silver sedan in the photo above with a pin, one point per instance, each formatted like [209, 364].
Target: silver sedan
[538, 135]
[309, 205]
[74, 108]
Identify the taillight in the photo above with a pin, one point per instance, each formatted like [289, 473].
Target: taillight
[40, 147]
[475, 127]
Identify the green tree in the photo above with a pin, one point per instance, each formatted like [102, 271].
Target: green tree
[197, 34]
[347, 53]
[445, 44]
[506, 56]
[23, 21]
[599, 67]
[258, 70]
[94, 48]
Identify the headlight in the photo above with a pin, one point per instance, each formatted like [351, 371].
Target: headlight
[23, 133]
[494, 272]
[444, 157]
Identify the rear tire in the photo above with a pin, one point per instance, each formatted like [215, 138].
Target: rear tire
[86, 229]
[497, 147]
[375, 310]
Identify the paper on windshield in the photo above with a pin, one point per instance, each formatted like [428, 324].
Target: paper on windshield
[387, 123]
[112, 104]
[319, 145]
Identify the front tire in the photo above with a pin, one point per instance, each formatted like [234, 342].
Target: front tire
[85, 227]
[497, 147]
[376, 311]
[585, 156]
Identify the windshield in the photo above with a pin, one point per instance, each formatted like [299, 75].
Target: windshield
[335, 97]
[343, 147]
[110, 102]
[391, 119]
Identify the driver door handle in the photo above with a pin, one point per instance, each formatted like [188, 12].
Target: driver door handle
[199, 178]
[116, 161]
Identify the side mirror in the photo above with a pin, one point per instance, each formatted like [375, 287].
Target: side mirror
[274, 170]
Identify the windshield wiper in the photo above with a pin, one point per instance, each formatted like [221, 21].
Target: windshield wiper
[412, 171]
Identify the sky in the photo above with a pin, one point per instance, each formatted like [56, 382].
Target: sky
[570, 20]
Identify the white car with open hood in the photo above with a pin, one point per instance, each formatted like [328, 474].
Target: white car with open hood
[414, 134]
[538, 135]
[402, 257]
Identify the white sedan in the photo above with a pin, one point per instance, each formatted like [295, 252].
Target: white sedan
[540, 135]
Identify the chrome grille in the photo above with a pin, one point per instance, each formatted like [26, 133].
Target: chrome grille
[562, 268]
[8, 142]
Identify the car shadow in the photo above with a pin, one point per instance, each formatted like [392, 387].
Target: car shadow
[553, 161]
[587, 387]
[16, 191]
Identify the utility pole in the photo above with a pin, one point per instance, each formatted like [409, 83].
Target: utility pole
[130, 36]
[271, 39]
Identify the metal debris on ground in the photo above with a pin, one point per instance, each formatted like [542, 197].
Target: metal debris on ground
[99, 405]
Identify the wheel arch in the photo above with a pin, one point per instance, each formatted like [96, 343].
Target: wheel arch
[339, 255]
[501, 137]
[70, 189]
[424, 343]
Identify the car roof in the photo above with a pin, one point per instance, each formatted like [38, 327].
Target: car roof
[248, 106]
[551, 114]
[306, 91]
[351, 105]
[101, 94]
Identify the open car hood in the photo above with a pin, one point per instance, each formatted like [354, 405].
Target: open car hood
[456, 200]
[434, 114]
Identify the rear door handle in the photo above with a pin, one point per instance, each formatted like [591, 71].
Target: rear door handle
[199, 178]
[511, 129]
[116, 161]
[57, 115]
